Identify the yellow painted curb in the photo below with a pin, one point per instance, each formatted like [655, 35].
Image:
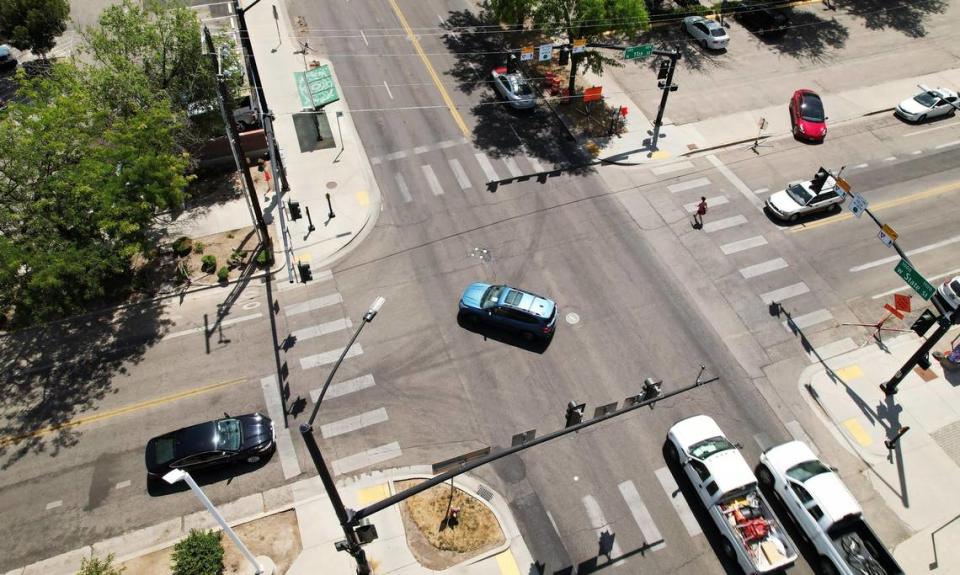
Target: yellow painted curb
[372, 494]
[858, 432]
[848, 373]
[363, 198]
[507, 564]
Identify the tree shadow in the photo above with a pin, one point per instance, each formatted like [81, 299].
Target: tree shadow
[692, 56]
[54, 372]
[905, 17]
[810, 37]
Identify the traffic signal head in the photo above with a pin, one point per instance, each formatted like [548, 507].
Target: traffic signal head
[575, 413]
[294, 210]
[924, 361]
[305, 273]
[664, 70]
[818, 180]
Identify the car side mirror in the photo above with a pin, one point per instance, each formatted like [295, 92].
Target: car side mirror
[225, 414]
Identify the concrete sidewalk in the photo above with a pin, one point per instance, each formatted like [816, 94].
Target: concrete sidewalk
[319, 530]
[918, 479]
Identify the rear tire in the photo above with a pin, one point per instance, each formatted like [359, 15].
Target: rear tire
[673, 456]
[793, 218]
[729, 550]
[921, 119]
[703, 44]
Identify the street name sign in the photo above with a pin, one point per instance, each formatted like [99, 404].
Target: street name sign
[641, 51]
[858, 205]
[914, 279]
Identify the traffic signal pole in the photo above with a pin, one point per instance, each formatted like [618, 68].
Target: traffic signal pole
[944, 323]
[666, 84]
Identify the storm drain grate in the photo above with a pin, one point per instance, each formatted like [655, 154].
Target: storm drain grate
[948, 438]
[485, 493]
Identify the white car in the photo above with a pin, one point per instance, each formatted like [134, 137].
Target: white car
[928, 104]
[514, 88]
[950, 292]
[799, 199]
[708, 33]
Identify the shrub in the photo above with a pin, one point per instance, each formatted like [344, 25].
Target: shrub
[201, 553]
[198, 248]
[208, 263]
[223, 273]
[236, 258]
[96, 566]
[182, 246]
[262, 258]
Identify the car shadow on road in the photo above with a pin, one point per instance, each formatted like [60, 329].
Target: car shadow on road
[157, 487]
[533, 345]
[801, 220]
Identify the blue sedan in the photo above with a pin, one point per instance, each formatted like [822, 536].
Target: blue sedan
[516, 310]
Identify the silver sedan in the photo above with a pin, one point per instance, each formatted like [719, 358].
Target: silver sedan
[708, 33]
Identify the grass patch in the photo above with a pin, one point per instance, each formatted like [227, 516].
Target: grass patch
[476, 529]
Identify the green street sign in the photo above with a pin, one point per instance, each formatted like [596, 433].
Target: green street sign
[641, 51]
[914, 279]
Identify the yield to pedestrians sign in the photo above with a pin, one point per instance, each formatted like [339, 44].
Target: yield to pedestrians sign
[858, 205]
[546, 52]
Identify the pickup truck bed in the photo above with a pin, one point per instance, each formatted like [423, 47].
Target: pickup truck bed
[758, 531]
[860, 548]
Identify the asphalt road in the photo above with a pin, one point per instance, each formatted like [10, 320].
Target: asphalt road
[640, 291]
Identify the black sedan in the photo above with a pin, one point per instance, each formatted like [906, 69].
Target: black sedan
[211, 444]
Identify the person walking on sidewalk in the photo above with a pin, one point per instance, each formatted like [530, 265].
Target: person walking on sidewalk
[701, 211]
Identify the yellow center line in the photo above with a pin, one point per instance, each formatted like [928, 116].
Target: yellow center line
[883, 205]
[433, 73]
[11, 439]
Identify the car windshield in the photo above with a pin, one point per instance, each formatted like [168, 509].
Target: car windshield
[718, 32]
[491, 296]
[927, 99]
[163, 449]
[708, 447]
[521, 88]
[228, 434]
[811, 109]
[799, 194]
[804, 471]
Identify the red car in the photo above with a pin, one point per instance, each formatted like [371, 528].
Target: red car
[806, 116]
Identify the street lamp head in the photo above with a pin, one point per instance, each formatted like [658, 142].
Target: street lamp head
[175, 476]
[374, 308]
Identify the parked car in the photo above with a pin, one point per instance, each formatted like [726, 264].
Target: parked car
[751, 533]
[7, 61]
[759, 17]
[804, 198]
[211, 444]
[825, 511]
[516, 310]
[929, 103]
[514, 88]
[807, 116]
[950, 292]
[708, 33]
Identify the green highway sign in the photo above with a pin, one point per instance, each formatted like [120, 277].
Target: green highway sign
[641, 51]
[914, 279]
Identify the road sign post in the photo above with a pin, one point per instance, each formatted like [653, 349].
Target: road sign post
[914, 279]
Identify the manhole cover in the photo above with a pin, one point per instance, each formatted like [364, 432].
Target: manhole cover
[331, 185]
[573, 318]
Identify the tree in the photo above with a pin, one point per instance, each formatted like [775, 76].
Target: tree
[201, 553]
[161, 38]
[514, 11]
[96, 566]
[80, 181]
[33, 24]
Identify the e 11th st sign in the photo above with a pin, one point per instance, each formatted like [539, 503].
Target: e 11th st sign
[914, 279]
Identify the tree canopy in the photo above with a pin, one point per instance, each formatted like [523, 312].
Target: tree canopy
[33, 24]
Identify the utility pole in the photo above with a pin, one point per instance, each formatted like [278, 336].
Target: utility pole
[665, 83]
[236, 148]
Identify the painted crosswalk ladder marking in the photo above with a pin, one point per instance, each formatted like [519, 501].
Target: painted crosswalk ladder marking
[353, 423]
[807, 320]
[462, 180]
[512, 167]
[312, 304]
[716, 226]
[344, 388]
[676, 498]
[486, 166]
[763, 268]
[651, 535]
[328, 357]
[688, 185]
[784, 293]
[432, 180]
[670, 168]
[367, 458]
[402, 186]
[321, 329]
[711, 202]
[602, 527]
[743, 245]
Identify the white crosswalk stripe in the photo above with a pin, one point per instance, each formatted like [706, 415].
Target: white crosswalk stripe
[716, 226]
[432, 180]
[688, 185]
[677, 500]
[797, 432]
[312, 304]
[651, 535]
[831, 349]
[353, 423]
[807, 320]
[763, 268]
[486, 166]
[344, 388]
[366, 458]
[285, 450]
[601, 526]
[742, 245]
[784, 293]
[535, 164]
[402, 186]
[512, 167]
[321, 329]
[711, 202]
[670, 168]
[462, 180]
[328, 357]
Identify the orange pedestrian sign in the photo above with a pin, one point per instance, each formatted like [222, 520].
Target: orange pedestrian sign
[526, 53]
[843, 185]
[902, 302]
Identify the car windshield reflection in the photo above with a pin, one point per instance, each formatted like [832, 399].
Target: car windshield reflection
[799, 194]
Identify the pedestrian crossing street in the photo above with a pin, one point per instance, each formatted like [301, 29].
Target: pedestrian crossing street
[744, 238]
[427, 172]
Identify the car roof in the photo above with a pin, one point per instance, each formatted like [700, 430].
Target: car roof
[196, 438]
[831, 495]
[526, 301]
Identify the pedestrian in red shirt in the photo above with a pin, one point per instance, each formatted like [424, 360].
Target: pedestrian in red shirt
[698, 215]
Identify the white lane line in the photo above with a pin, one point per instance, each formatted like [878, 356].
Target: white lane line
[763, 268]
[223, 323]
[366, 458]
[831, 349]
[422, 149]
[312, 304]
[742, 245]
[920, 250]
[553, 522]
[54, 504]
[763, 441]
[723, 224]
[601, 526]
[859, 166]
[512, 167]
[432, 180]
[918, 132]
[905, 287]
[364, 36]
[946, 145]
[890, 159]
[288, 456]
[744, 190]
[344, 388]
[796, 431]
[321, 329]
[122, 484]
[916, 152]
[677, 500]
[328, 357]
[354, 423]
[670, 168]
[376, 160]
[688, 185]
[806, 320]
[651, 535]
[711, 202]
[402, 186]
[389, 93]
[396, 155]
[784, 293]
[446, 144]
[761, 191]
[486, 166]
[462, 180]
[536, 165]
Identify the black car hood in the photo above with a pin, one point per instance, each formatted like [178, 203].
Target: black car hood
[256, 430]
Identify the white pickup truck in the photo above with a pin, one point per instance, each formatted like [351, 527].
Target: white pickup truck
[752, 534]
[825, 511]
